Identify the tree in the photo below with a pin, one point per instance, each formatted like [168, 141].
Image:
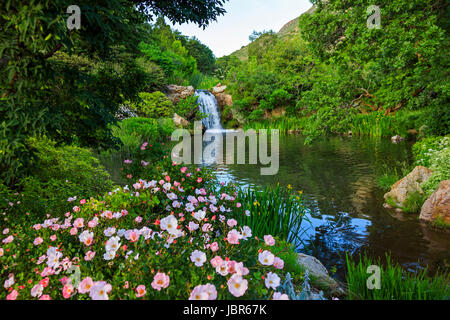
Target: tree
[35, 81]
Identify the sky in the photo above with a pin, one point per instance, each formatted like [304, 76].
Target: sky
[232, 30]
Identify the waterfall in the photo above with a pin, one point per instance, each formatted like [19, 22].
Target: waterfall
[208, 105]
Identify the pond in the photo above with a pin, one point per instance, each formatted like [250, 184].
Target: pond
[344, 204]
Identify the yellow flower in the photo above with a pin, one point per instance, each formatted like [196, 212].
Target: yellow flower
[256, 203]
[289, 186]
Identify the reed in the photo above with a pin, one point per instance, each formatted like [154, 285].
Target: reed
[275, 211]
[396, 283]
[284, 124]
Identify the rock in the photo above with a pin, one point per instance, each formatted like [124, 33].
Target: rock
[175, 93]
[403, 188]
[319, 272]
[438, 205]
[180, 121]
[223, 99]
[397, 139]
[387, 206]
[219, 89]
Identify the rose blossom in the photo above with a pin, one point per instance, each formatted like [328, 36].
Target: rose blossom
[266, 258]
[269, 240]
[237, 285]
[272, 281]
[216, 261]
[160, 281]
[36, 291]
[234, 236]
[279, 296]
[85, 286]
[140, 291]
[214, 247]
[231, 223]
[278, 263]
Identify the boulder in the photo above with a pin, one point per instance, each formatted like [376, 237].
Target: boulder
[180, 121]
[219, 89]
[397, 139]
[403, 188]
[175, 93]
[319, 275]
[438, 205]
[223, 99]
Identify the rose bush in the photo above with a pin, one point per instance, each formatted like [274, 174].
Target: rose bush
[168, 238]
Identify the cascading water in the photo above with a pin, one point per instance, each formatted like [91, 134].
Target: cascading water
[208, 105]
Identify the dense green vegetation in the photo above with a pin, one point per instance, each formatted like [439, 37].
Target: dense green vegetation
[395, 283]
[343, 76]
[70, 84]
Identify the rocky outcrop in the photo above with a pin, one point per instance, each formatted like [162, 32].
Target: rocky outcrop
[223, 99]
[180, 121]
[403, 188]
[175, 93]
[438, 205]
[319, 275]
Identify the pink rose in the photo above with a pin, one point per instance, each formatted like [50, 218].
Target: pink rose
[13, 295]
[214, 247]
[160, 281]
[269, 240]
[231, 223]
[216, 261]
[140, 291]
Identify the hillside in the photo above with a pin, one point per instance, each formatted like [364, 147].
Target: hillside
[288, 30]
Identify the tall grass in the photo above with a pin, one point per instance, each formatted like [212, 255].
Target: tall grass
[377, 124]
[389, 175]
[275, 211]
[374, 124]
[396, 284]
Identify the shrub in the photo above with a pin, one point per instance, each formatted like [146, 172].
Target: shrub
[433, 152]
[154, 105]
[256, 115]
[133, 132]
[63, 172]
[441, 171]
[438, 120]
[188, 109]
[156, 78]
[244, 106]
[142, 243]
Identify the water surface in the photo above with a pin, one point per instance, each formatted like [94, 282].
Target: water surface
[344, 204]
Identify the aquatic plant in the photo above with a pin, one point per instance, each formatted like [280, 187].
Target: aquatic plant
[395, 283]
[267, 210]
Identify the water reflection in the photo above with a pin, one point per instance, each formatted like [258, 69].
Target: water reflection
[344, 204]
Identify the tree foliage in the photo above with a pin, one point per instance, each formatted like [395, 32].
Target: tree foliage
[338, 64]
[70, 83]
